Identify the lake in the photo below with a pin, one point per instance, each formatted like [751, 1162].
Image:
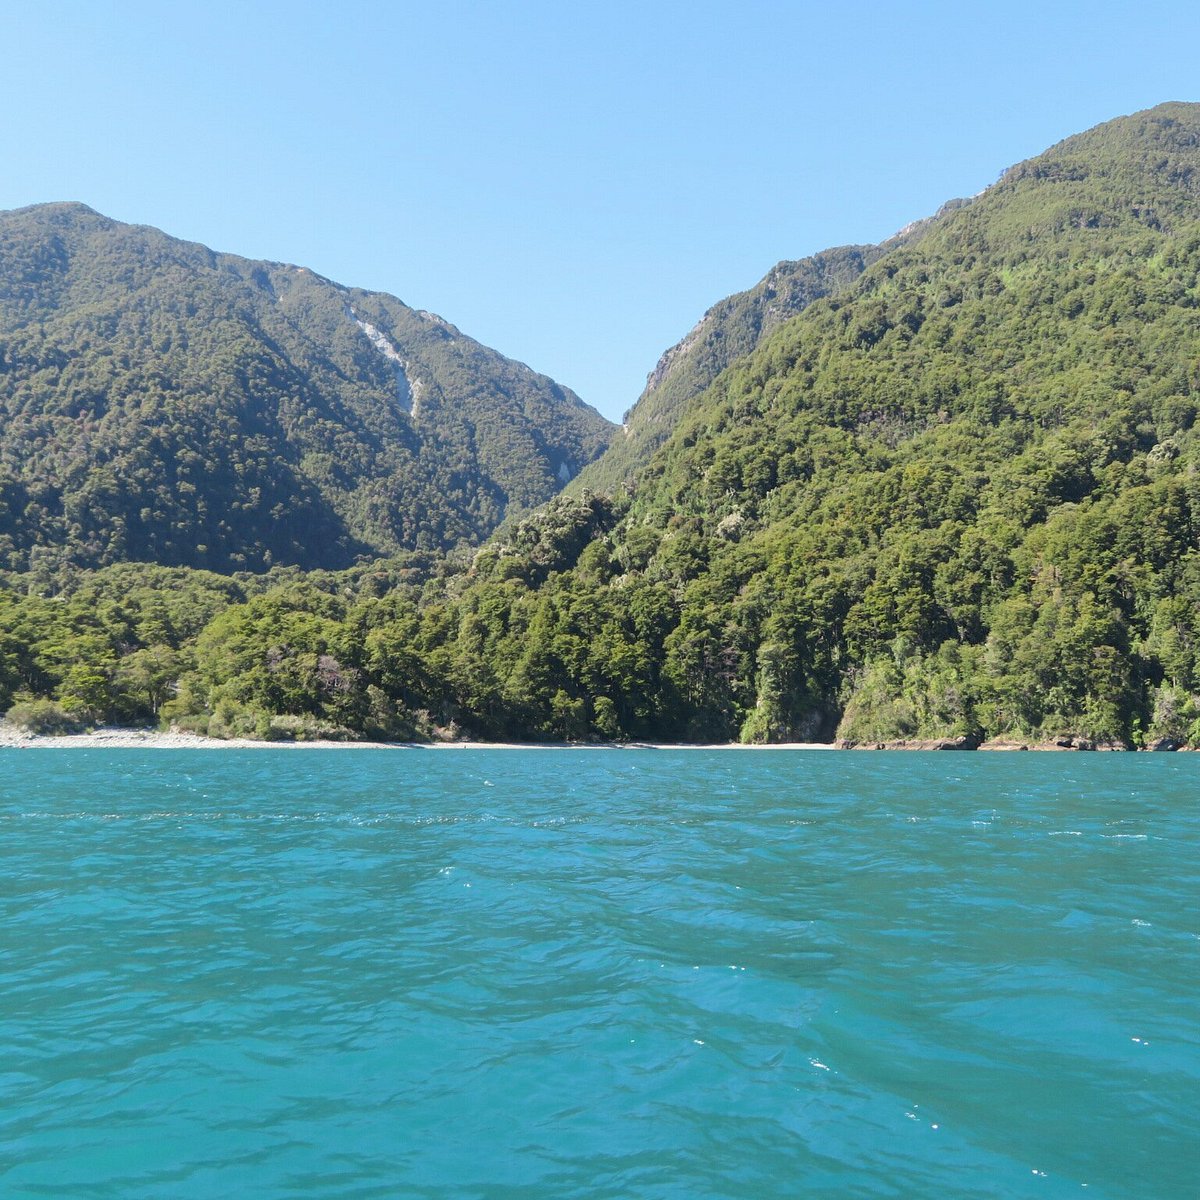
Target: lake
[598, 973]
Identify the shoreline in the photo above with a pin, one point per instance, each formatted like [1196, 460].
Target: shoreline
[152, 739]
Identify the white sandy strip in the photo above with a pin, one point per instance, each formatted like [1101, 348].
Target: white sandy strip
[120, 739]
[150, 739]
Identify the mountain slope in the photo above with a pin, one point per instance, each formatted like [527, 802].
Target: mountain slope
[729, 329]
[732, 328]
[163, 402]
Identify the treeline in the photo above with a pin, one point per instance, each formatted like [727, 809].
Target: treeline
[595, 625]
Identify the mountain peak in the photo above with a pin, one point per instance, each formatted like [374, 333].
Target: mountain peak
[60, 211]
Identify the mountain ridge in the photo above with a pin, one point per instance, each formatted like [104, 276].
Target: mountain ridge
[284, 384]
[728, 330]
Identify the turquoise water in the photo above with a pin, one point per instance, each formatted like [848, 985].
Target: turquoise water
[598, 973]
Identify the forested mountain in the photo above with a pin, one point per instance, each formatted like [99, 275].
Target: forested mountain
[728, 331]
[961, 495]
[957, 498]
[163, 402]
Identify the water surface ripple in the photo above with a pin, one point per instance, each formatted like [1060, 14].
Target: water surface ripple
[598, 973]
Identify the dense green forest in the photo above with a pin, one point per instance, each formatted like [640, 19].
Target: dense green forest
[957, 497]
[161, 402]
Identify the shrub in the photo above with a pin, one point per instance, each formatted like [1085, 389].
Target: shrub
[43, 717]
[306, 729]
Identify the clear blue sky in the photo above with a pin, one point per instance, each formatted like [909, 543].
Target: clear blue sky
[573, 184]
